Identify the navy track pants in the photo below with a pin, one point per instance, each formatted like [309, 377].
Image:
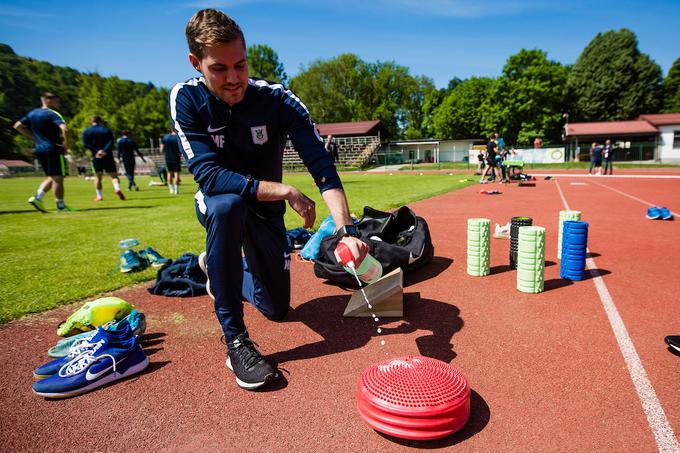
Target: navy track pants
[261, 276]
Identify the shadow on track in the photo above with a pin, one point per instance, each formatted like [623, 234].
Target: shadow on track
[324, 316]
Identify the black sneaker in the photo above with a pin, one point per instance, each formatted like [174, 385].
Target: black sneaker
[251, 369]
[673, 342]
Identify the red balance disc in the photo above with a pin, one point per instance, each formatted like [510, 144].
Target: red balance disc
[415, 398]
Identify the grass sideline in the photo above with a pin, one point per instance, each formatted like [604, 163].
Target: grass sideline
[56, 258]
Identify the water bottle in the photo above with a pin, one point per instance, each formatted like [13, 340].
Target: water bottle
[370, 269]
[126, 244]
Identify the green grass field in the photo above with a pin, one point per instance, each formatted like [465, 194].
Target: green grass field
[57, 258]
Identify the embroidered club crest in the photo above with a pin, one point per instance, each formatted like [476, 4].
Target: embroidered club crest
[259, 134]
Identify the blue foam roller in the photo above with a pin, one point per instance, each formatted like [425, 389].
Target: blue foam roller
[574, 250]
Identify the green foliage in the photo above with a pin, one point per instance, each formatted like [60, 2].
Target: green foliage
[460, 113]
[612, 80]
[345, 88]
[671, 89]
[527, 100]
[263, 62]
[139, 107]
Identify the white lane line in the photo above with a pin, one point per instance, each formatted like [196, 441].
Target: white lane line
[666, 440]
[631, 196]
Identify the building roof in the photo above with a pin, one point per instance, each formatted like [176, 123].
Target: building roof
[351, 128]
[634, 127]
[14, 163]
[662, 119]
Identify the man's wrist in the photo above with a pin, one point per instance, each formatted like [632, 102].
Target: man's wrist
[348, 230]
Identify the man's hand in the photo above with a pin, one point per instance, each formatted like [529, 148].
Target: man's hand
[358, 248]
[100, 154]
[303, 205]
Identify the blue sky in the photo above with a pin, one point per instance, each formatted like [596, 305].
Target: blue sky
[144, 41]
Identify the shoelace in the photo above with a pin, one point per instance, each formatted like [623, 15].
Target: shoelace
[81, 346]
[81, 362]
[247, 352]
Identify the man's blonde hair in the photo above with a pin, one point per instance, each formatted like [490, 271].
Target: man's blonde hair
[210, 27]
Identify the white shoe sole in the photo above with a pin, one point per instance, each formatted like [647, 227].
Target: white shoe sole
[110, 378]
[204, 268]
[251, 385]
[673, 347]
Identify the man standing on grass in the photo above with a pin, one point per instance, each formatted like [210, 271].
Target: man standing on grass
[232, 131]
[173, 161]
[99, 140]
[126, 153]
[47, 128]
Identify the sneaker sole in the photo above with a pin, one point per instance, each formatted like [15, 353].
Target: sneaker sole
[252, 385]
[204, 268]
[110, 378]
[673, 347]
[652, 218]
[35, 205]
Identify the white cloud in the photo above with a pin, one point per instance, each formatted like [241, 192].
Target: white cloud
[463, 8]
[9, 11]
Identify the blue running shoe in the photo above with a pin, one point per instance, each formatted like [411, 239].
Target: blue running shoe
[153, 257]
[81, 346]
[106, 362]
[665, 213]
[129, 261]
[135, 320]
[653, 213]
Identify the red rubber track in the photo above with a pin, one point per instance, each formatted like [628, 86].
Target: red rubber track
[545, 369]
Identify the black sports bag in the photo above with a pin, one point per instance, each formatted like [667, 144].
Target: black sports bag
[397, 239]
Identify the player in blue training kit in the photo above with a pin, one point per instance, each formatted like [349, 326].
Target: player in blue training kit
[232, 132]
[99, 140]
[126, 153]
[47, 127]
[173, 160]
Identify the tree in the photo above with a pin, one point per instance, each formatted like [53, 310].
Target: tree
[345, 88]
[460, 113]
[263, 62]
[612, 80]
[671, 89]
[528, 100]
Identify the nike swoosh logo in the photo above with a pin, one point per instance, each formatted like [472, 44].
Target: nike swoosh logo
[412, 259]
[92, 376]
[211, 130]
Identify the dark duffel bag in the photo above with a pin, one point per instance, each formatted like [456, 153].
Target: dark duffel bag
[396, 239]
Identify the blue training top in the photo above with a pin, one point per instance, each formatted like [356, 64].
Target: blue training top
[171, 148]
[597, 153]
[98, 137]
[44, 125]
[229, 149]
[127, 148]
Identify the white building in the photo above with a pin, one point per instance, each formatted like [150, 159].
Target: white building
[653, 137]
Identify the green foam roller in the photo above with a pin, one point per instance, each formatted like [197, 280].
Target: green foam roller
[530, 259]
[478, 247]
[565, 215]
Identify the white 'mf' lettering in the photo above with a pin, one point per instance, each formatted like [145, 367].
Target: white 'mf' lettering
[219, 140]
